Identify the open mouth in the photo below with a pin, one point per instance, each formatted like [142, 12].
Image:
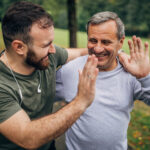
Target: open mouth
[45, 58]
[102, 55]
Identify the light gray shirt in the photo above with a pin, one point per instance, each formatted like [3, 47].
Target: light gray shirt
[103, 126]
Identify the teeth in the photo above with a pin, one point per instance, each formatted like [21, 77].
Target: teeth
[101, 55]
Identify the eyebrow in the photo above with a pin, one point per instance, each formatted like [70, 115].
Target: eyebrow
[106, 40]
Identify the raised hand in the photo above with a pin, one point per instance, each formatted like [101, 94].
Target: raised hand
[87, 79]
[138, 63]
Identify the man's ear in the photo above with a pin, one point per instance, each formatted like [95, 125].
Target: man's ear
[18, 46]
[121, 41]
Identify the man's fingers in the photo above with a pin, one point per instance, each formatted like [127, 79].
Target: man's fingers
[86, 65]
[131, 48]
[93, 79]
[135, 46]
[90, 64]
[89, 69]
[94, 64]
[140, 46]
[134, 39]
[146, 48]
[87, 79]
[92, 67]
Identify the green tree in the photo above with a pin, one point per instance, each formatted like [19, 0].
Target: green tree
[72, 22]
[145, 14]
[6, 3]
[119, 7]
[86, 8]
[58, 9]
[138, 17]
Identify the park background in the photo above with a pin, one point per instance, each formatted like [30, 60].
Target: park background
[136, 16]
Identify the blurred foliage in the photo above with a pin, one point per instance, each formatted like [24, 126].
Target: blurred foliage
[139, 127]
[134, 13]
[6, 3]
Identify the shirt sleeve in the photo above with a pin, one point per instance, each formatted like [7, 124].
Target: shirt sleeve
[61, 55]
[67, 78]
[8, 105]
[142, 89]
[59, 95]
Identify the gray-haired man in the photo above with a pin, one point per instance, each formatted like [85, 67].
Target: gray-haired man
[103, 126]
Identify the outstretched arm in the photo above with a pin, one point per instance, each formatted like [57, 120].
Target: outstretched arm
[76, 52]
[138, 63]
[32, 134]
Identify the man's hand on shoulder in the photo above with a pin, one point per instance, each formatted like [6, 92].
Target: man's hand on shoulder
[138, 63]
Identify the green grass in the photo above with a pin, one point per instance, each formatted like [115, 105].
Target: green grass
[1, 39]
[62, 39]
[139, 127]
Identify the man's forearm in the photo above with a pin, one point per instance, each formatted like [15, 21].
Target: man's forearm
[41, 131]
[76, 52]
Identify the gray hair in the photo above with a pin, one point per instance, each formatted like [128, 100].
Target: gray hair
[102, 17]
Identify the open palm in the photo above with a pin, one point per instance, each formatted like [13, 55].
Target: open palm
[138, 63]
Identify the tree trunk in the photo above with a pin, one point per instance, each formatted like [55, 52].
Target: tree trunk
[72, 23]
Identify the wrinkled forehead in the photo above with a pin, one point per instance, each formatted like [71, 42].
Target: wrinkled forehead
[105, 28]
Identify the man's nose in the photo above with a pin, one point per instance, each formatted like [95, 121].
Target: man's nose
[52, 49]
[98, 49]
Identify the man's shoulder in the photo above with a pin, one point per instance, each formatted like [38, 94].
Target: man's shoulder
[73, 66]
[59, 57]
[70, 70]
[78, 62]
[4, 75]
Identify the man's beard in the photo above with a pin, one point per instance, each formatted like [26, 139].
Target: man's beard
[37, 64]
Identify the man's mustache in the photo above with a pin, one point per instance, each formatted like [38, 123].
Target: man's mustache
[91, 51]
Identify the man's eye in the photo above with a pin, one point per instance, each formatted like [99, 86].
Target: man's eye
[45, 46]
[106, 42]
[93, 40]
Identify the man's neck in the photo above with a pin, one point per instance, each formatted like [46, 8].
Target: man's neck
[111, 67]
[16, 64]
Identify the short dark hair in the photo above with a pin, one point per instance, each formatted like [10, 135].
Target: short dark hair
[102, 17]
[18, 20]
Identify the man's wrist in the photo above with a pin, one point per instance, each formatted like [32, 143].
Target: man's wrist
[140, 76]
[81, 102]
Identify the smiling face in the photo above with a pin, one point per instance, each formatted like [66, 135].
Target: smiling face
[104, 43]
[37, 54]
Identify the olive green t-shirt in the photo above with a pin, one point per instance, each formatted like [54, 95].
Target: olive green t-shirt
[36, 104]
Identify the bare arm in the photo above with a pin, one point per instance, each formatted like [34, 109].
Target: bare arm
[138, 63]
[32, 134]
[76, 52]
